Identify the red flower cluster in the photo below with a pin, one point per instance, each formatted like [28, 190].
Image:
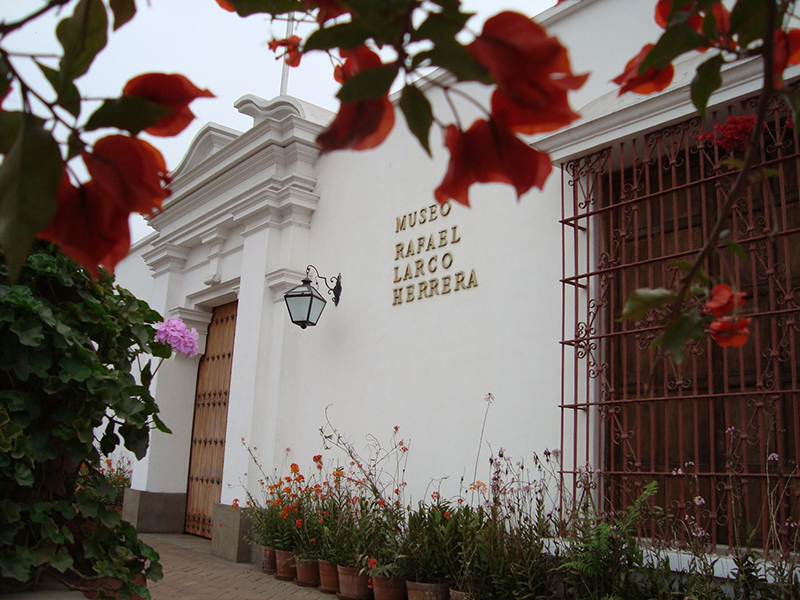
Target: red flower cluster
[292, 53]
[733, 134]
[728, 328]
[533, 75]
[363, 124]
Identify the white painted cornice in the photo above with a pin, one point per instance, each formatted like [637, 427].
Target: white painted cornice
[208, 141]
[166, 257]
[281, 281]
[611, 118]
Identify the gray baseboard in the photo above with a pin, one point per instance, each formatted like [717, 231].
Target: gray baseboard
[228, 534]
[154, 512]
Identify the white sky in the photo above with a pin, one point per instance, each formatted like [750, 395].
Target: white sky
[215, 49]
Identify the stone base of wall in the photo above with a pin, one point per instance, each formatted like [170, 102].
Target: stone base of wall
[228, 533]
[154, 512]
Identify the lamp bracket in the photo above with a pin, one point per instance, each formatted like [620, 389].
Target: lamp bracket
[334, 287]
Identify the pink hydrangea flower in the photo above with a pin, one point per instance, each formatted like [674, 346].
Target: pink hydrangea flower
[175, 333]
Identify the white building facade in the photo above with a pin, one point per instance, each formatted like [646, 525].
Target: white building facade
[440, 304]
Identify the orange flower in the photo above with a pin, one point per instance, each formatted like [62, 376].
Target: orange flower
[172, 91]
[225, 5]
[373, 562]
[724, 300]
[532, 72]
[295, 468]
[730, 331]
[363, 124]
[298, 523]
[488, 152]
[292, 46]
[652, 80]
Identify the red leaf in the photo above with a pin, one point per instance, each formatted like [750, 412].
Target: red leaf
[171, 90]
[663, 8]
[225, 5]
[532, 71]
[89, 228]
[328, 9]
[358, 125]
[129, 172]
[793, 39]
[652, 80]
[488, 152]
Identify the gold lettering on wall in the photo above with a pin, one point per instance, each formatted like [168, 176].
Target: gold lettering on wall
[425, 261]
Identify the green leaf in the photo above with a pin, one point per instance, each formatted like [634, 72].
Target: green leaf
[672, 43]
[29, 331]
[83, 36]
[372, 83]
[245, 8]
[706, 81]
[643, 300]
[61, 561]
[343, 35]
[124, 11]
[110, 517]
[23, 475]
[725, 238]
[10, 124]
[748, 20]
[74, 369]
[733, 163]
[130, 113]
[29, 179]
[676, 334]
[441, 27]
[419, 116]
[454, 58]
[69, 98]
[793, 100]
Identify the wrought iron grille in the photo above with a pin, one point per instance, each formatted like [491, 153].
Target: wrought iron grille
[720, 433]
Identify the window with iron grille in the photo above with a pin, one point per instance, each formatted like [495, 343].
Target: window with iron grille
[720, 433]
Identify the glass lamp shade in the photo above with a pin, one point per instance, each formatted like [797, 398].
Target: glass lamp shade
[305, 304]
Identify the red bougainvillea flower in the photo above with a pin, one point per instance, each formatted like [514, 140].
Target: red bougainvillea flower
[328, 9]
[224, 4]
[730, 331]
[786, 52]
[663, 8]
[724, 300]
[292, 46]
[652, 80]
[89, 227]
[359, 125]
[129, 172]
[532, 72]
[488, 152]
[172, 91]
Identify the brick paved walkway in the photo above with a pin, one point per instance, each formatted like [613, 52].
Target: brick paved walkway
[191, 572]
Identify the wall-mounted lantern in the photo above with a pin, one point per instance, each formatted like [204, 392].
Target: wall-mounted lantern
[304, 301]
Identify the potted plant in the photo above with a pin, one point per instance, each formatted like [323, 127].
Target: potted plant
[309, 542]
[467, 567]
[388, 563]
[432, 539]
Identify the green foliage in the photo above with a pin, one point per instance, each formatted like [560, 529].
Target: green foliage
[432, 540]
[67, 344]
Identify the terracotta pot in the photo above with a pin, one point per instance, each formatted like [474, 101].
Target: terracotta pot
[268, 564]
[352, 585]
[427, 591]
[91, 586]
[456, 595]
[284, 563]
[307, 572]
[328, 577]
[389, 588]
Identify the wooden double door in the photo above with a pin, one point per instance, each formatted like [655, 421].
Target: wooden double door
[210, 421]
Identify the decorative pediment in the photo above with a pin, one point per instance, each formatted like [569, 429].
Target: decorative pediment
[209, 140]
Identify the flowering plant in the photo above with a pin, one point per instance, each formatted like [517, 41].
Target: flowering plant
[174, 333]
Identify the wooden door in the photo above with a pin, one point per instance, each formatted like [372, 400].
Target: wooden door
[210, 421]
